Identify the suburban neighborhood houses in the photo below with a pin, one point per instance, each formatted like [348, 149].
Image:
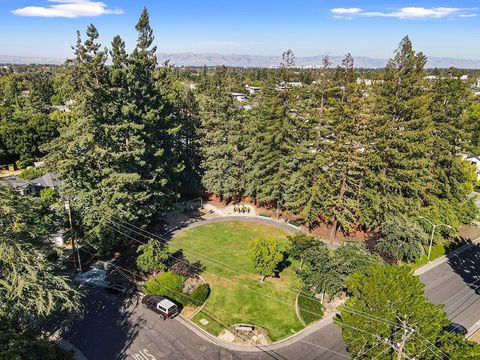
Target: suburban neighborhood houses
[193, 181]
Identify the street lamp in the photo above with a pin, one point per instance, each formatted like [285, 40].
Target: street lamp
[434, 226]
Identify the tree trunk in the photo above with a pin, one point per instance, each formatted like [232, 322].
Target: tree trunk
[341, 195]
[323, 297]
[333, 230]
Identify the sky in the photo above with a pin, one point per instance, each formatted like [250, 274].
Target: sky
[448, 28]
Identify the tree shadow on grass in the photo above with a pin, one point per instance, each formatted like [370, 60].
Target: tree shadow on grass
[285, 263]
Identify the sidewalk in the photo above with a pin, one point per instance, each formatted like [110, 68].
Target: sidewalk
[68, 346]
[427, 267]
[255, 348]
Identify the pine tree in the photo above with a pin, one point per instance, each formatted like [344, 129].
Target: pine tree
[277, 144]
[451, 96]
[116, 158]
[221, 140]
[339, 166]
[188, 141]
[400, 140]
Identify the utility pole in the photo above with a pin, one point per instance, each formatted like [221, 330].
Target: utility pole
[72, 234]
[399, 347]
[434, 226]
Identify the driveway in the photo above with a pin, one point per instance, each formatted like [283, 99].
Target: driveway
[453, 284]
[111, 328]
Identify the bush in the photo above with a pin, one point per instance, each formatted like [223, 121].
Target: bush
[294, 223]
[402, 238]
[169, 285]
[310, 308]
[180, 265]
[22, 164]
[32, 173]
[152, 258]
[265, 215]
[199, 295]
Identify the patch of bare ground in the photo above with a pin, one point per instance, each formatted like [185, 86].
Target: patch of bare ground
[235, 334]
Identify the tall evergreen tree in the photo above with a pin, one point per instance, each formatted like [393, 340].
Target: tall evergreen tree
[221, 139]
[116, 158]
[401, 139]
[451, 97]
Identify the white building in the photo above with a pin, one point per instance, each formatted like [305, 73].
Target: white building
[474, 159]
[253, 89]
[240, 97]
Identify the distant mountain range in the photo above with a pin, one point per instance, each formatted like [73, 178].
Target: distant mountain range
[191, 59]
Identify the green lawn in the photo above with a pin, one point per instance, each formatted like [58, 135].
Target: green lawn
[437, 251]
[231, 300]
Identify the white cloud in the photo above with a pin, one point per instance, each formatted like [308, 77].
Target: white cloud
[411, 12]
[346, 11]
[68, 9]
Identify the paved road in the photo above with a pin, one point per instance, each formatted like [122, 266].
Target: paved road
[113, 329]
[453, 284]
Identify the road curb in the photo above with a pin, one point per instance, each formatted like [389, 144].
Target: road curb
[256, 348]
[68, 346]
[444, 258]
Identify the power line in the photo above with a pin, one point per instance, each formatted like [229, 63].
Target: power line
[369, 316]
[229, 280]
[249, 320]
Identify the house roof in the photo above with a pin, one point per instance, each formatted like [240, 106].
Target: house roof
[15, 182]
[48, 180]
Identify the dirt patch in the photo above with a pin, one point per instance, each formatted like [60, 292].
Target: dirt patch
[257, 336]
[332, 306]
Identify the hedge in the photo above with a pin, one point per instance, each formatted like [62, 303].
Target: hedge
[309, 307]
[169, 285]
[294, 223]
[199, 295]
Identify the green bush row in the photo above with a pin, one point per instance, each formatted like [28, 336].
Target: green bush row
[199, 295]
[310, 308]
[170, 285]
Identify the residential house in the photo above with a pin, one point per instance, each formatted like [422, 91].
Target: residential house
[474, 159]
[49, 180]
[21, 186]
[253, 89]
[240, 97]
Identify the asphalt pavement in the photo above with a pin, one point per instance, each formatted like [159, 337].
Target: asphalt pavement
[453, 283]
[115, 328]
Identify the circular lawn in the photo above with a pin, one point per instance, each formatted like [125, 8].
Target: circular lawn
[237, 294]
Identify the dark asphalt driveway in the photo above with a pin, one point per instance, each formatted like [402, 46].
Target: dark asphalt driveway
[111, 328]
[453, 284]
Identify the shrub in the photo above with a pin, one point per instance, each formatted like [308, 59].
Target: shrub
[309, 307]
[32, 173]
[22, 164]
[199, 295]
[180, 265]
[169, 285]
[265, 215]
[402, 238]
[152, 258]
[294, 223]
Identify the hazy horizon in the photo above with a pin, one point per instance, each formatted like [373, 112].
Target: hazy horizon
[45, 28]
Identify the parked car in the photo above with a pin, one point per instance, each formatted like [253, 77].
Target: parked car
[456, 329]
[161, 305]
[119, 289]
